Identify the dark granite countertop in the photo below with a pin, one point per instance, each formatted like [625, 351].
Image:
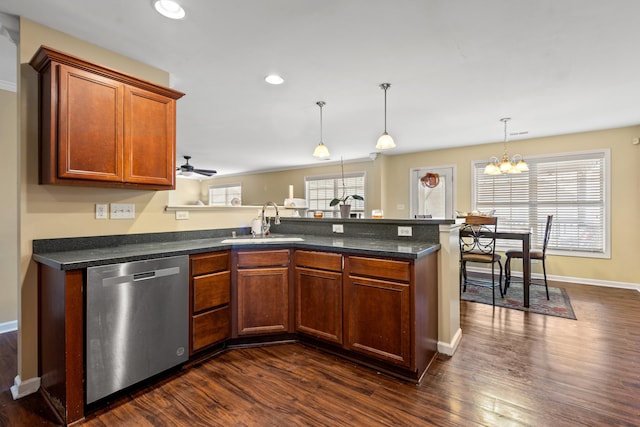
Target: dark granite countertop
[116, 253]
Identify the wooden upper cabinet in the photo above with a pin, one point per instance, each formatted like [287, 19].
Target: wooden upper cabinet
[101, 127]
[90, 126]
[150, 129]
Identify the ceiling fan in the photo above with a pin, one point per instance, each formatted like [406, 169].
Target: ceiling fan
[188, 169]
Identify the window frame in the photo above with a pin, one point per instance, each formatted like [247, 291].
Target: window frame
[228, 198]
[357, 206]
[538, 228]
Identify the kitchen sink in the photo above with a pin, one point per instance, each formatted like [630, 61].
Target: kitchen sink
[263, 239]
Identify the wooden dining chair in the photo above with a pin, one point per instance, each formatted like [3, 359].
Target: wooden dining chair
[540, 254]
[477, 244]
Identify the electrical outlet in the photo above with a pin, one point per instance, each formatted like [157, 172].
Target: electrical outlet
[123, 211]
[338, 228]
[400, 206]
[182, 214]
[102, 212]
[405, 231]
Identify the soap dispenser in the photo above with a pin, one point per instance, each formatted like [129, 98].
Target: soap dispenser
[256, 226]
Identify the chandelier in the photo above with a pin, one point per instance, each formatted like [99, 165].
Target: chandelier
[514, 165]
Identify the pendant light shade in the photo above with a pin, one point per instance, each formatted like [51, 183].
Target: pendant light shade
[514, 165]
[385, 141]
[321, 151]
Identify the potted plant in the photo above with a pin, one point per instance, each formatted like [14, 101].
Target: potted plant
[345, 206]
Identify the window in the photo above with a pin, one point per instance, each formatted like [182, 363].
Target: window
[572, 187]
[320, 190]
[225, 195]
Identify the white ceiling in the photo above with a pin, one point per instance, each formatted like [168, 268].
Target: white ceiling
[456, 67]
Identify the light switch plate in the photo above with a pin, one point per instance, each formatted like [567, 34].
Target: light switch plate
[102, 211]
[123, 211]
[182, 214]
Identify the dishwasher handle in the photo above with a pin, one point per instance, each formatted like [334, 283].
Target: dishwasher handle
[136, 277]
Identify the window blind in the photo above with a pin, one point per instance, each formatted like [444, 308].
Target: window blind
[320, 190]
[223, 194]
[571, 187]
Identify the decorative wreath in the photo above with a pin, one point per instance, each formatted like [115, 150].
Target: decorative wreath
[430, 180]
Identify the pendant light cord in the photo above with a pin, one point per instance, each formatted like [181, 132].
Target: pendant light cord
[506, 135]
[385, 109]
[321, 104]
[385, 86]
[321, 139]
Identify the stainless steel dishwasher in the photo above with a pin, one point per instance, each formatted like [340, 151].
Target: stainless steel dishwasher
[137, 322]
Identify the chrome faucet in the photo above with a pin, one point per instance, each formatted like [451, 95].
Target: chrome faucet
[266, 223]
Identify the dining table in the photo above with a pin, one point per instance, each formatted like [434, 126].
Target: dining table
[525, 238]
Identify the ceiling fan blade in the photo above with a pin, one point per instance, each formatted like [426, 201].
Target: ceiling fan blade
[188, 169]
[206, 172]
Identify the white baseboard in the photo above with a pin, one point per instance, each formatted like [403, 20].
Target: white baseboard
[24, 388]
[567, 279]
[449, 348]
[8, 326]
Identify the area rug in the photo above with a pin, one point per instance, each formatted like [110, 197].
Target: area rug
[557, 305]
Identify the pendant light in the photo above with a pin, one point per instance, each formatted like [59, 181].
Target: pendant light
[385, 141]
[514, 165]
[321, 151]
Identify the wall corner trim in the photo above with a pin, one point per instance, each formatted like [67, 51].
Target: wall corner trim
[24, 388]
[449, 348]
[8, 326]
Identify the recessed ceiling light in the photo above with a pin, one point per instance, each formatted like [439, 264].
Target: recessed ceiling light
[169, 8]
[274, 79]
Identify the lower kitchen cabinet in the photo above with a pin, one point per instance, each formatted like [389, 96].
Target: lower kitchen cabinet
[210, 327]
[210, 297]
[318, 295]
[390, 309]
[378, 319]
[263, 292]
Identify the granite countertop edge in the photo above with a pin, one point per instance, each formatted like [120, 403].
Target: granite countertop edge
[81, 259]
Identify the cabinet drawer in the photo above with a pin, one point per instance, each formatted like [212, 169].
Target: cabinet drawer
[320, 260]
[263, 258]
[211, 290]
[382, 268]
[210, 327]
[209, 263]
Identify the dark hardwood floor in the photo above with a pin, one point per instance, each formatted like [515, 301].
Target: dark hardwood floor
[512, 368]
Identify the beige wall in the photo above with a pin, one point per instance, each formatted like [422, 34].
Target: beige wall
[9, 209]
[258, 188]
[625, 193]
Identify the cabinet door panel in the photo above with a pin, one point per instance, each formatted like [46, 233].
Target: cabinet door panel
[211, 290]
[263, 258]
[209, 263]
[89, 126]
[378, 315]
[380, 268]
[149, 138]
[263, 300]
[319, 304]
[319, 260]
[210, 327]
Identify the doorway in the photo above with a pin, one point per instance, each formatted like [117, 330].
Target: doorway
[432, 192]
